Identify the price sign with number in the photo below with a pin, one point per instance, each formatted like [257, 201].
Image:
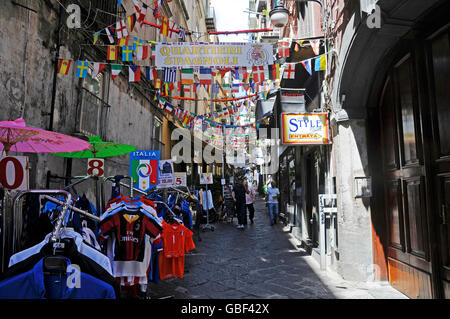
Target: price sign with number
[14, 172]
[180, 179]
[96, 167]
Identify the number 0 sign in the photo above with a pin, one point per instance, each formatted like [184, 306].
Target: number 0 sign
[14, 172]
[96, 167]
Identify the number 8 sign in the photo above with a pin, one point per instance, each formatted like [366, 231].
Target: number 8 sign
[96, 167]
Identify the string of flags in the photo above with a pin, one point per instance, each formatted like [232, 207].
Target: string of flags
[122, 28]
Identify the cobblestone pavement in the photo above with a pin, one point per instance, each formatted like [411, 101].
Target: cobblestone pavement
[261, 261]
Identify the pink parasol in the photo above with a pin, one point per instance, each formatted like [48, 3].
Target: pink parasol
[16, 137]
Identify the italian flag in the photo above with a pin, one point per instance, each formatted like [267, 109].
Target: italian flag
[187, 76]
[115, 70]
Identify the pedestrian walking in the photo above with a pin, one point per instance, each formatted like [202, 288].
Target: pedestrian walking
[272, 194]
[249, 199]
[239, 192]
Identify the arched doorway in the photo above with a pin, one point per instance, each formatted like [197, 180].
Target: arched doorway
[414, 148]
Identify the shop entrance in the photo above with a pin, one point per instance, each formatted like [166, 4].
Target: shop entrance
[414, 111]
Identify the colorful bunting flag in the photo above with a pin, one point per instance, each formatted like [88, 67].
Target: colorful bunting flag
[321, 63]
[274, 71]
[137, 42]
[156, 13]
[115, 70]
[111, 53]
[98, 68]
[153, 52]
[289, 71]
[205, 76]
[283, 48]
[157, 83]
[121, 29]
[142, 52]
[172, 29]
[169, 108]
[127, 53]
[164, 28]
[82, 68]
[109, 31]
[122, 42]
[131, 22]
[182, 34]
[64, 66]
[96, 36]
[142, 14]
[134, 72]
[187, 76]
[170, 74]
[258, 73]
[307, 65]
[315, 44]
[161, 104]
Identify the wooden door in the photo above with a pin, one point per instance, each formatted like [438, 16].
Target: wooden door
[438, 62]
[408, 251]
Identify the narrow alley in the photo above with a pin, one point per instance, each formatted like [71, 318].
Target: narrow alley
[261, 261]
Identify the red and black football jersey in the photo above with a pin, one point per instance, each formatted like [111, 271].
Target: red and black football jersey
[130, 228]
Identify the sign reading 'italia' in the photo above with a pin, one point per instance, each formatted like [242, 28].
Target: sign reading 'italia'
[183, 54]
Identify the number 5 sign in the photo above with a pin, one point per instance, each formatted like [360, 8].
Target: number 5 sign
[14, 172]
[180, 179]
[96, 167]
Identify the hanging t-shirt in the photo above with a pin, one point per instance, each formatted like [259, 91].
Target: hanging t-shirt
[177, 240]
[130, 228]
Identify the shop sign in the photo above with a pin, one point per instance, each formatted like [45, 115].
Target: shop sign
[14, 173]
[165, 173]
[293, 100]
[144, 169]
[96, 167]
[304, 128]
[206, 178]
[180, 179]
[186, 55]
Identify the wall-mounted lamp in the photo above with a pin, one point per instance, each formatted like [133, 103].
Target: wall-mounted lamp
[279, 15]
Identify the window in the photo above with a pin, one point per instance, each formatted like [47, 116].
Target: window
[94, 85]
[157, 129]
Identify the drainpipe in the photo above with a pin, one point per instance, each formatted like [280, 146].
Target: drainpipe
[55, 72]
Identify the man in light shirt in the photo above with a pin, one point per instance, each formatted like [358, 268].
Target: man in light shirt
[272, 194]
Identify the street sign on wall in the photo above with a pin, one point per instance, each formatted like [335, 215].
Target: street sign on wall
[144, 169]
[304, 128]
[96, 167]
[14, 172]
